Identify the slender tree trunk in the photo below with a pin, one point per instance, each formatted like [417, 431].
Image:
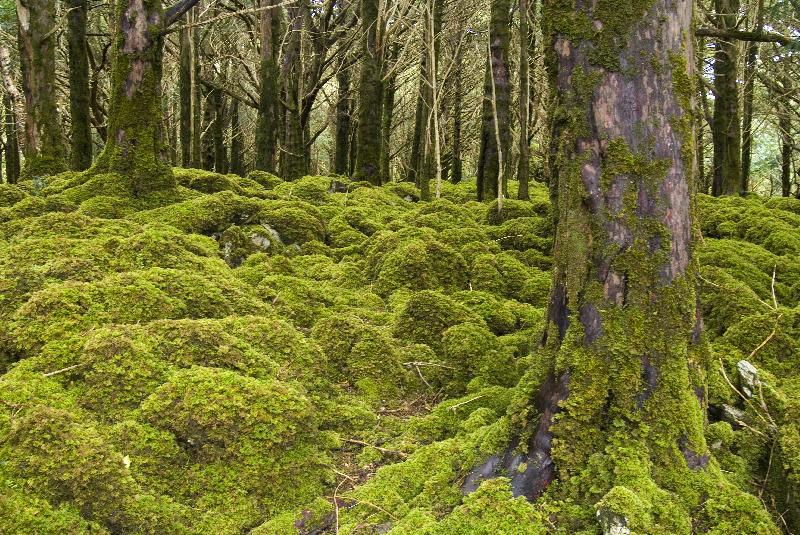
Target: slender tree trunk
[727, 125]
[420, 124]
[623, 340]
[785, 111]
[524, 168]
[197, 102]
[207, 137]
[237, 141]
[267, 126]
[81, 155]
[749, 81]
[293, 157]
[12, 143]
[369, 91]
[431, 156]
[496, 104]
[342, 148]
[185, 90]
[458, 104]
[45, 149]
[387, 109]
[218, 130]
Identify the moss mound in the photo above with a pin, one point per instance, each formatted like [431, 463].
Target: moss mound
[228, 354]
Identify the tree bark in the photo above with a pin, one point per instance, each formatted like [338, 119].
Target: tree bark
[135, 147]
[524, 167]
[387, 109]
[456, 175]
[81, 154]
[12, 143]
[45, 149]
[369, 91]
[751, 53]
[496, 105]
[726, 128]
[622, 388]
[185, 93]
[237, 141]
[267, 126]
[342, 142]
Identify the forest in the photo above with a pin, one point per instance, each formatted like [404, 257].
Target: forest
[435, 267]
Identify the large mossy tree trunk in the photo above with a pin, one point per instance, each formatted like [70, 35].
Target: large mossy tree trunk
[495, 125]
[368, 144]
[135, 147]
[80, 112]
[726, 126]
[45, 147]
[620, 417]
[294, 163]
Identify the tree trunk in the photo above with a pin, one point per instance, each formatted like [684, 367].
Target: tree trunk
[81, 155]
[237, 141]
[749, 82]
[727, 125]
[218, 130]
[12, 143]
[342, 148]
[620, 412]
[369, 91]
[207, 136]
[197, 102]
[524, 167]
[496, 105]
[267, 126]
[45, 149]
[458, 103]
[785, 111]
[420, 124]
[293, 156]
[185, 90]
[386, 128]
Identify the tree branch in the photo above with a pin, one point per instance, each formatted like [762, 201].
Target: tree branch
[761, 37]
[173, 13]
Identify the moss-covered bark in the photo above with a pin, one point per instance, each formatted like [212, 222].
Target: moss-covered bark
[81, 153]
[185, 95]
[267, 127]
[495, 125]
[620, 421]
[726, 126]
[12, 143]
[341, 157]
[368, 147]
[135, 146]
[45, 149]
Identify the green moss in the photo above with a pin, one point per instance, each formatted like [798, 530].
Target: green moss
[312, 189]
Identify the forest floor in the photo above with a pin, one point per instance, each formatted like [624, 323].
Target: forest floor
[247, 355]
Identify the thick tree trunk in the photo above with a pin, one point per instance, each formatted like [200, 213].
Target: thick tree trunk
[620, 412]
[341, 157]
[81, 154]
[496, 105]
[45, 149]
[727, 125]
[267, 126]
[185, 91]
[524, 167]
[369, 91]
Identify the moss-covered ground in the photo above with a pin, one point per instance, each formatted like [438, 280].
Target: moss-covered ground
[248, 355]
